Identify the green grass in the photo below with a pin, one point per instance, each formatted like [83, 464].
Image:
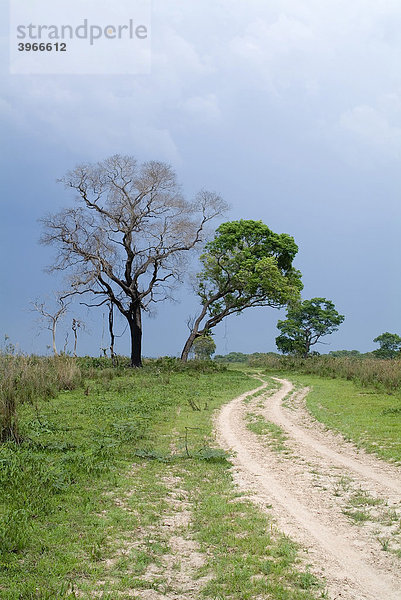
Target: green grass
[247, 557]
[272, 433]
[368, 418]
[82, 499]
[362, 498]
[270, 387]
[359, 516]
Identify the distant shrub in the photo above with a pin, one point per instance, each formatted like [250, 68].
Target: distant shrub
[343, 353]
[87, 363]
[232, 357]
[175, 365]
[209, 454]
[240, 357]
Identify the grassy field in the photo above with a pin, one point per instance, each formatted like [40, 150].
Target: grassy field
[369, 372]
[369, 418]
[117, 488]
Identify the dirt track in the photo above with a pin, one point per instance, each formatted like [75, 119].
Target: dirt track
[312, 485]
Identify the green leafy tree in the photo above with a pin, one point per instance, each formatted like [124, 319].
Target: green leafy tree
[204, 347]
[306, 323]
[245, 265]
[390, 345]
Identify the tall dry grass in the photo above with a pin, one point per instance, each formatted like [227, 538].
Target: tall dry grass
[368, 372]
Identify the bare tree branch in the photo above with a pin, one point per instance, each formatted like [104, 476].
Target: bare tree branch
[51, 317]
[127, 239]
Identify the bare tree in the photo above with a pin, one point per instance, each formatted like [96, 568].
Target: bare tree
[127, 240]
[112, 334]
[76, 325]
[51, 317]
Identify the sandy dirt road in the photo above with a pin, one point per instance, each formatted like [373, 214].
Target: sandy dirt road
[342, 505]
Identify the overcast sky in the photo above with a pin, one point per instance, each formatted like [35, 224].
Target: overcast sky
[291, 110]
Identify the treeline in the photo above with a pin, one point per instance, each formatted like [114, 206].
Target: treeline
[241, 357]
[236, 357]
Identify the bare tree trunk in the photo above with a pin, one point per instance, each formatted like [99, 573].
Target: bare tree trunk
[112, 336]
[307, 348]
[188, 345]
[193, 335]
[135, 325]
[54, 338]
[65, 344]
[75, 343]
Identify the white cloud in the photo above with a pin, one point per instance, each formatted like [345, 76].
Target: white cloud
[318, 62]
[263, 42]
[372, 128]
[256, 99]
[205, 108]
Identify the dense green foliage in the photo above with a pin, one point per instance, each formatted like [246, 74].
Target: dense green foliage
[306, 323]
[29, 378]
[203, 347]
[390, 345]
[245, 265]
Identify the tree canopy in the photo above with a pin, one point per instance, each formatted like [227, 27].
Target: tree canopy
[245, 265]
[126, 240]
[306, 323]
[204, 347]
[390, 345]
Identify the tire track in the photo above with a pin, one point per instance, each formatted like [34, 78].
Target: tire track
[351, 573]
[364, 465]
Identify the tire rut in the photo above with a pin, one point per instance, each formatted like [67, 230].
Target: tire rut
[353, 568]
[354, 460]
